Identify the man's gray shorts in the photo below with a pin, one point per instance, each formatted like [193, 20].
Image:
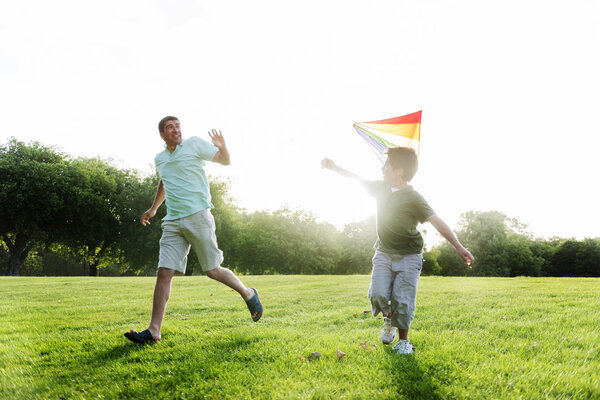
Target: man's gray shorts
[196, 231]
[394, 283]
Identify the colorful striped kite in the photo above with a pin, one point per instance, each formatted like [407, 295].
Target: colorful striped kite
[393, 132]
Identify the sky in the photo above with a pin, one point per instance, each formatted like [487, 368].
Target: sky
[510, 93]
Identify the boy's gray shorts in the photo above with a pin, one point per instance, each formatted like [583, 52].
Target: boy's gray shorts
[393, 287]
[196, 231]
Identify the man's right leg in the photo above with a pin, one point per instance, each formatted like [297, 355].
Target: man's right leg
[162, 292]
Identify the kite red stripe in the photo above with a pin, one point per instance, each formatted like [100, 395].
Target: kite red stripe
[414, 118]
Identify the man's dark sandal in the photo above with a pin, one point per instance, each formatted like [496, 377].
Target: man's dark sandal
[142, 337]
[255, 306]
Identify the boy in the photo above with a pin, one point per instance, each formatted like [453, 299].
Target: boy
[399, 248]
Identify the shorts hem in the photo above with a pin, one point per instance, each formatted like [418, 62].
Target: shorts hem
[210, 269]
[177, 271]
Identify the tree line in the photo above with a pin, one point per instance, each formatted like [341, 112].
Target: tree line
[80, 216]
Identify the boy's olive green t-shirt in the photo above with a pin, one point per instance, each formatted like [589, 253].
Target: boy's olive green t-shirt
[398, 214]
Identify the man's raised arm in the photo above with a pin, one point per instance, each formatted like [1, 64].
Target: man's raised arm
[222, 156]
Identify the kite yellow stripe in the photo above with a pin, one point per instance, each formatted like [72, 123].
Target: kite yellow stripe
[412, 131]
[389, 139]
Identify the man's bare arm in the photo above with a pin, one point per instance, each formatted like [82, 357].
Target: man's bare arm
[158, 200]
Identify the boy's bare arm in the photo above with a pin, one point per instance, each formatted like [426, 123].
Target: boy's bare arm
[447, 233]
[329, 164]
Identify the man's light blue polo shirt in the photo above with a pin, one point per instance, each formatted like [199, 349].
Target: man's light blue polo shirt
[183, 176]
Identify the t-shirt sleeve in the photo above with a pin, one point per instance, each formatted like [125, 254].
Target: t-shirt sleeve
[423, 210]
[204, 150]
[375, 188]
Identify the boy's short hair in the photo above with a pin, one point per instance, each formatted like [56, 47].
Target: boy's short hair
[405, 158]
[161, 124]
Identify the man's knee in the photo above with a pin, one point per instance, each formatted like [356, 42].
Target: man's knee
[214, 273]
[165, 274]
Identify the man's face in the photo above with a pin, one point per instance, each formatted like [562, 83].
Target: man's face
[171, 133]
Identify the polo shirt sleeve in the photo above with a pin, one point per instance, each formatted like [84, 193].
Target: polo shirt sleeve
[203, 149]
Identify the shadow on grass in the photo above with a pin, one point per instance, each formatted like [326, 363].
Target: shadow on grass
[115, 352]
[411, 379]
[225, 347]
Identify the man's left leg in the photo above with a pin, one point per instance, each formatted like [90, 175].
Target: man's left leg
[200, 232]
[250, 296]
[227, 277]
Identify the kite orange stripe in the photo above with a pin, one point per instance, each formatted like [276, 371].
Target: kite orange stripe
[406, 130]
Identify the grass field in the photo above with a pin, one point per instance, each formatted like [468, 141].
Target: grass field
[479, 338]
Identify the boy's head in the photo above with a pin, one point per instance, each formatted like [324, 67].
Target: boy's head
[405, 158]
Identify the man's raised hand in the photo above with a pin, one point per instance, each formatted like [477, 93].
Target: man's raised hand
[217, 138]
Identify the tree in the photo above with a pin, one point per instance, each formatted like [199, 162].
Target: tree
[587, 259]
[286, 242]
[502, 246]
[357, 240]
[450, 262]
[139, 244]
[228, 221]
[98, 210]
[577, 258]
[563, 261]
[34, 183]
[431, 266]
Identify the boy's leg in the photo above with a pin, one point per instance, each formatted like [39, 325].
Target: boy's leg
[382, 279]
[404, 298]
[380, 292]
[404, 293]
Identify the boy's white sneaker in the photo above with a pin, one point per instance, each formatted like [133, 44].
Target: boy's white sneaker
[388, 333]
[403, 347]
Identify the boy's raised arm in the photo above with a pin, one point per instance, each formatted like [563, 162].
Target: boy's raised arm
[447, 233]
[329, 164]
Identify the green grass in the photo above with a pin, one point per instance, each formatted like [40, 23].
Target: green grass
[479, 338]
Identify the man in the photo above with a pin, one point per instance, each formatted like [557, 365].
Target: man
[188, 223]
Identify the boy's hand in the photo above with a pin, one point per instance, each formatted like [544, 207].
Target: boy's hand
[465, 255]
[327, 164]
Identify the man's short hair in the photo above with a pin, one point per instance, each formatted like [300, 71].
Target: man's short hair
[161, 124]
[405, 158]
